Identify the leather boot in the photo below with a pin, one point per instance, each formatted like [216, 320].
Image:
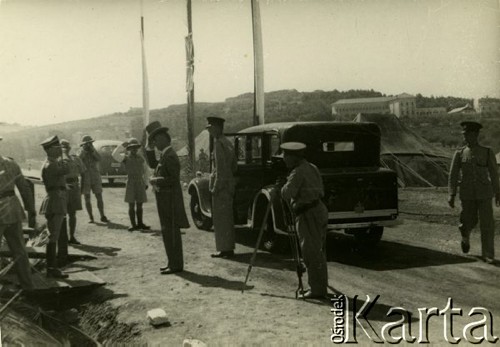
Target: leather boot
[62, 245]
[52, 270]
[131, 215]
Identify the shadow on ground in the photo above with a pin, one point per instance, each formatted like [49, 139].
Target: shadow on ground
[109, 251]
[212, 281]
[386, 255]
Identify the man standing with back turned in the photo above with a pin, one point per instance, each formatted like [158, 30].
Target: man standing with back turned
[304, 190]
[474, 170]
[222, 189]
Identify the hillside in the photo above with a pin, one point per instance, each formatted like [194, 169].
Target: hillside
[283, 105]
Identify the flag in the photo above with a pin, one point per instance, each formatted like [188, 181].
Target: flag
[258, 61]
[189, 62]
[145, 84]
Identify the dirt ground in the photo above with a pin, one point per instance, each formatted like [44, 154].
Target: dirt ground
[417, 264]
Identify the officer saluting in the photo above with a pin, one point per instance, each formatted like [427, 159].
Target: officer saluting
[474, 170]
[54, 206]
[304, 189]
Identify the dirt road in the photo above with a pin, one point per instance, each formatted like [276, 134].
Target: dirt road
[417, 265]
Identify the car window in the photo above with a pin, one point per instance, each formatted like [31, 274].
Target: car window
[107, 149]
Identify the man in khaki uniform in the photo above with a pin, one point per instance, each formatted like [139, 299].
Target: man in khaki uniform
[222, 189]
[12, 214]
[304, 190]
[474, 170]
[55, 204]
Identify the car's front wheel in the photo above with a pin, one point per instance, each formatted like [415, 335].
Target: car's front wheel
[369, 236]
[200, 220]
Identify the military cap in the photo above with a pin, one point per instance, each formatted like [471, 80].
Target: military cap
[154, 128]
[470, 126]
[52, 141]
[133, 143]
[65, 143]
[296, 148]
[215, 121]
[86, 139]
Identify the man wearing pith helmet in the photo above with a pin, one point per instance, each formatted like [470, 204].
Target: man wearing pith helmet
[222, 188]
[304, 190]
[474, 174]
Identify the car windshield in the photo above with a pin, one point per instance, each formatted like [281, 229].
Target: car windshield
[107, 149]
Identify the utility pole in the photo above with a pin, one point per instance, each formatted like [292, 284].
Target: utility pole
[190, 93]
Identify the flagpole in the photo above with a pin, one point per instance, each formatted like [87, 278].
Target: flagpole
[145, 82]
[258, 61]
[190, 92]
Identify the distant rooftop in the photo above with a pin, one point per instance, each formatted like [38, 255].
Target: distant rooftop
[372, 100]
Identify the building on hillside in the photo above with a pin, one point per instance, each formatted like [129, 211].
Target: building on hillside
[467, 109]
[488, 105]
[402, 105]
[429, 111]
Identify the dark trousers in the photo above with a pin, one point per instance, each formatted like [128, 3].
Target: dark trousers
[482, 210]
[170, 232]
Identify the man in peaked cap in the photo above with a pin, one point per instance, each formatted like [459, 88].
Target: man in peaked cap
[304, 191]
[474, 171]
[13, 214]
[55, 204]
[92, 181]
[73, 179]
[222, 188]
[169, 200]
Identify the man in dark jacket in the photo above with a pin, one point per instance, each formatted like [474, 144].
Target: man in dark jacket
[168, 191]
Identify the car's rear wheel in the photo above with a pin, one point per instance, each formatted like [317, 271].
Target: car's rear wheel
[199, 219]
[369, 236]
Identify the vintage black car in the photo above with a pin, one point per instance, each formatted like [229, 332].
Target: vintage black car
[361, 196]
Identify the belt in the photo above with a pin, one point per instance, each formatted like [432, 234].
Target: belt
[7, 194]
[53, 189]
[302, 208]
[71, 179]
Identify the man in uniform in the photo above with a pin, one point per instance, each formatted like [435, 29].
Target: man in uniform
[169, 200]
[92, 179]
[12, 215]
[304, 190]
[474, 170]
[222, 188]
[203, 163]
[76, 170]
[55, 204]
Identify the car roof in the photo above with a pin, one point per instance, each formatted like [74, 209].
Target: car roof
[281, 127]
[101, 143]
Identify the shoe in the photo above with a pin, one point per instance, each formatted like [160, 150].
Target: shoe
[488, 260]
[74, 241]
[56, 273]
[309, 295]
[91, 221]
[104, 219]
[170, 271]
[132, 228]
[223, 254]
[143, 227]
[165, 268]
[465, 246]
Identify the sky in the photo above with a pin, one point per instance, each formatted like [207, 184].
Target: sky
[74, 59]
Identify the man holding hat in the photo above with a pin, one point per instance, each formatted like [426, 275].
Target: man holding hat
[55, 204]
[92, 179]
[474, 171]
[135, 191]
[304, 191]
[13, 214]
[76, 170]
[168, 191]
[222, 188]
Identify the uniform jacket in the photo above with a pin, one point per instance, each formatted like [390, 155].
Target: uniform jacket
[169, 191]
[224, 168]
[11, 210]
[474, 171]
[53, 176]
[91, 161]
[75, 166]
[304, 185]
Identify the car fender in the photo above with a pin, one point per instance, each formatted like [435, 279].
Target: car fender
[259, 206]
[199, 185]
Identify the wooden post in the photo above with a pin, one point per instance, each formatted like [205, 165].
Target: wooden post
[190, 93]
